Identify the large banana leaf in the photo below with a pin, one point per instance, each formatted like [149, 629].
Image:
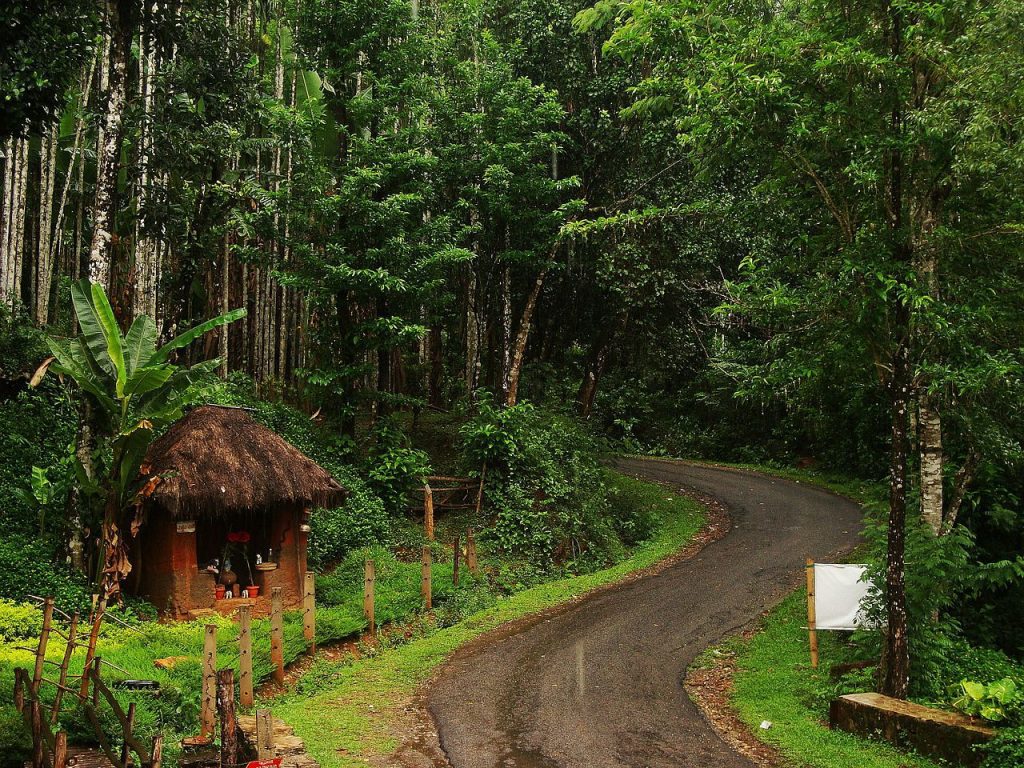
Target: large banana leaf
[147, 379]
[111, 334]
[67, 363]
[139, 343]
[194, 333]
[92, 328]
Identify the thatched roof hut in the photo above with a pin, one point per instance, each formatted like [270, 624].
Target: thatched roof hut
[218, 460]
[226, 489]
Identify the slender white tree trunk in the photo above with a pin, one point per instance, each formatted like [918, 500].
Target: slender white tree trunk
[74, 162]
[929, 425]
[44, 258]
[110, 149]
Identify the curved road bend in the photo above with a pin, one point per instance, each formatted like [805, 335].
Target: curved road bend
[600, 685]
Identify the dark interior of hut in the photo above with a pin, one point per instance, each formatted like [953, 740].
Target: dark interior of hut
[235, 542]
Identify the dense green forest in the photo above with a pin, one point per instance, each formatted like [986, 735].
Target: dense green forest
[523, 234]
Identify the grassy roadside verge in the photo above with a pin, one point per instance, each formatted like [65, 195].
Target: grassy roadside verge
[350, 712]
[773, 681]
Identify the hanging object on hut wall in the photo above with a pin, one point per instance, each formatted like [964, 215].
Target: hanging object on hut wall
[186, 526]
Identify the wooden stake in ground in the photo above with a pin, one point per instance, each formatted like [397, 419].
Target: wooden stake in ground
[811, 617]
[208, 712]
[38, 755]
[426, 588]
[277, 634]
[264, 735]
[90, 650]
[60, 750]
[471, 551]
[428, 512]
[62, 681]
[369, 607]
[129, 727]
[226, 710]
[309, 609]
[480, 489]
[456, 553]
[44, 638]
[245, 695]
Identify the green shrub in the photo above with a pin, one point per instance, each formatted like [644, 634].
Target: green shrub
[28, 569]
[394, 469]
[1006, 750]
[544, 483]
[360, 521]
[635, 518]
[19, 621]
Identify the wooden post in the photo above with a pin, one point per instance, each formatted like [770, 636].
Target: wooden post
[369, 606]
[277, 634]
[208, 711]
[38, 756]
[19, 688]
[44, 638]
[226, 710]
[471, 551]
[811, 617]
[62, 681]
[456, 552]
[130, 722]
[60, 750]
[428, 512]
[309, 609]
[264, 735]
[428, 598]
[97, 672]
[90, 652]
[158, 751]
[245, 695]
[480, 489]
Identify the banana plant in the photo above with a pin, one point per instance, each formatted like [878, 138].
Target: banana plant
[133, 388]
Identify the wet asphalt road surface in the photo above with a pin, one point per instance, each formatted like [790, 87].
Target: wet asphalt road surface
[601, 684]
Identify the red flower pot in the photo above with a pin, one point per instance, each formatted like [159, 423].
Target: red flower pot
[218, 593]
[254, 591]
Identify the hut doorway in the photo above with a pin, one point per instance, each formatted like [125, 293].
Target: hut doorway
[236, 542]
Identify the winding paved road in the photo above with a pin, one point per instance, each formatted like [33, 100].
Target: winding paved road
[600, 685]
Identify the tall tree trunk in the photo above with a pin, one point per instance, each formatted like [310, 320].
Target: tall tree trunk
[75, 163]
[929, 432]
[597, 360]
[472, 336]
[20, 211]
[6, 260]
[896, 672]
[521, 338]
[44, 258]
[506, 330]
[119, 18]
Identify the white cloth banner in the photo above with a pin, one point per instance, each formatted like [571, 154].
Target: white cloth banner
[838, 593]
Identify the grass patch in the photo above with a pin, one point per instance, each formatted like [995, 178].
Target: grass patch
[774, 681]
[346, 711]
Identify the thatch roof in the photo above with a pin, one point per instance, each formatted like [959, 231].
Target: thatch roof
[218, 460]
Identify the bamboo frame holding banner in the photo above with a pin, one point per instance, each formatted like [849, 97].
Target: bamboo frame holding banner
[812, 630]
